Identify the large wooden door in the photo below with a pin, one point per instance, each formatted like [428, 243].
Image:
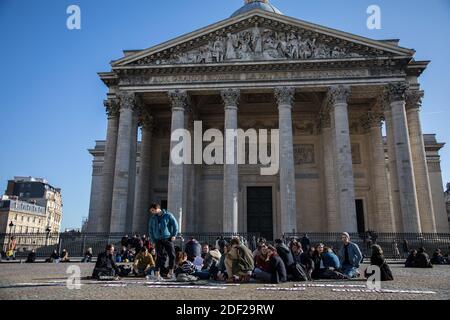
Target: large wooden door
[260, 211]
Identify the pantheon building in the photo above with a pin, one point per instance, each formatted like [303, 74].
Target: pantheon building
[353, 155]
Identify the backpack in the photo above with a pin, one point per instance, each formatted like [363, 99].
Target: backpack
[298, 273]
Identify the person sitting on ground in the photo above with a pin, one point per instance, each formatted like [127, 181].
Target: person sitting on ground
[54, 257]
[261, 241]
[126, 255]
[295, 271]
[422, 259]
[262, 264]
[305, 242]
[350, 257]
[377, 259]
[87, 256]
[276, 272]
[411, 259]
[143, 263]
[296, 250]
[31, 257]
[105, 267]
[239, 262]
[64, 256]
[330, 265]
[124, 241]
[316, 257]
[211, 261]
[185, 270]
[193, 249]
[205, 250]
[221, 269]
[438, 257]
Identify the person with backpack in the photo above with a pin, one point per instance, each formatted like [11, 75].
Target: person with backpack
[294, 270]
[163, 228]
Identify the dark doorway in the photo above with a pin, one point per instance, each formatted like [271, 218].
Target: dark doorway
[360, 216]
[164, 204]
[259, 211]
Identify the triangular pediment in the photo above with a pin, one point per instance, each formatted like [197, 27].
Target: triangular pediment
[261, 36]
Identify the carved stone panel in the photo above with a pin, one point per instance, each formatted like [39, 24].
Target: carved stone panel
[304, 154]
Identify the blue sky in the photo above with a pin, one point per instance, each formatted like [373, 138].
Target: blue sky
[51, 101]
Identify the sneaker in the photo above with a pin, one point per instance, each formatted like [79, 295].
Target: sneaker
[153, 278]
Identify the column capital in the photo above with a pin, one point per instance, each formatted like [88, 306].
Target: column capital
[112, 107]
[127, 100]
[284, 95]
[147, 121]
[338, 94]
[230, 97]
[178, 99]
[396, 91]
[414, 99]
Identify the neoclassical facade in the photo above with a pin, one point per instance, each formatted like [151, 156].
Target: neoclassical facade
[328, 92]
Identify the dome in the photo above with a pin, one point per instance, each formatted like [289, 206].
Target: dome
[256, 4]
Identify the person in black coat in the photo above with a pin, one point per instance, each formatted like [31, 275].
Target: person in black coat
[284, 252]
[306, 243]
[277, 268]
[31, 257]
[193, 249]
[377, 259]
[411, 259]
[105, 265]
[124, 241]
[422, 259]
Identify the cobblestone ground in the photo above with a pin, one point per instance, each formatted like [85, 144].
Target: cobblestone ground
[436, 279]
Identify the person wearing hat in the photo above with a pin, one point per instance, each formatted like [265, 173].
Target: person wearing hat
[350, 256]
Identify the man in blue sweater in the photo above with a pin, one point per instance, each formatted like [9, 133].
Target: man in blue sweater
[163, 228]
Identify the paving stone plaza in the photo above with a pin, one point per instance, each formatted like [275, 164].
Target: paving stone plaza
[47, 282]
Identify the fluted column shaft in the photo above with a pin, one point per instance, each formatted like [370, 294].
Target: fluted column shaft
[407, 185]
[230, 99]
[120, 206]
[421, 175]
[343, 156]
[285, 98]
[384, 217]
[179, 103]
[141, 215]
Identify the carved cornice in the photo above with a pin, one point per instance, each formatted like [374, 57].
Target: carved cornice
[396, 91]
[112, 107]
[338, 94]
[414, 99]
[230, 97]
[285, 96]
[178, 99]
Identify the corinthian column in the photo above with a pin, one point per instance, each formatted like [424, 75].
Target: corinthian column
[141, 215]
[338, 96]
[120, 195]
[179, 102]
[407, 186]
[422, 178]
[230, 99]
[285, 98]
[329, 172]
[384, 221]
[101, 223]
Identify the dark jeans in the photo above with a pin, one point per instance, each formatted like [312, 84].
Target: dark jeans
[164, 249]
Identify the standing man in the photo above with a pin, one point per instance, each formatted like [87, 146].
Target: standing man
[350, 256]
[163, 228]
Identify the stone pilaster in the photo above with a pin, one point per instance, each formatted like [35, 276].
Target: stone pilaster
[230, 99]
[285, 99]
[120, 206]
[143, 196]
[421, 175]
[384, 221]
[329, 172]
[338, 96]
[407, 187]
[102, 222]
[179, 103]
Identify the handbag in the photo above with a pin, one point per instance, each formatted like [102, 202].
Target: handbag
[9, 253]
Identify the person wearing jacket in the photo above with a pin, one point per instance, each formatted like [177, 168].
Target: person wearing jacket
[377, 259]
[350, 257]
[105, 265]
[163, 228]
[193, 249]
[277, 267]
[239, 262]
